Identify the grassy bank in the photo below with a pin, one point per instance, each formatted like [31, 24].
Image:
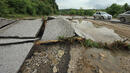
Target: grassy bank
[117, 45]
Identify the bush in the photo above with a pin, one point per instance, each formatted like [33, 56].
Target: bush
[80, 12]
[126, 7]
[3, 8]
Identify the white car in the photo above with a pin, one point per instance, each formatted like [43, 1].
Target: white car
[102, 16]
[125, 17]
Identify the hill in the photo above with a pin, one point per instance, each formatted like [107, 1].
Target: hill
[27, 7]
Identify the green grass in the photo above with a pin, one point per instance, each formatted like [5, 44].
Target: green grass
[113, 46]
[117, 45]
[90, 43]
[61, 38]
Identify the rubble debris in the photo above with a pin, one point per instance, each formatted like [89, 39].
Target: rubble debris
[55, 69]
[50, 59]
[60, 53]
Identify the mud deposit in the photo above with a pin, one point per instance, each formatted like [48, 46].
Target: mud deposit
[48, 59]
[74, 58]
[101, 61]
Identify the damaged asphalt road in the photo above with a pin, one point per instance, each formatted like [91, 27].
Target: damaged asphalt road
[16, 41]
[59, 57]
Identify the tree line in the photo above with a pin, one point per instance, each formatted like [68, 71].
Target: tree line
[114, 10]
[29, 7]
[81, 12]
[47, 7]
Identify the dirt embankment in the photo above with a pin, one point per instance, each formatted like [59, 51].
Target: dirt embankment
[122, 29]
[75, 58]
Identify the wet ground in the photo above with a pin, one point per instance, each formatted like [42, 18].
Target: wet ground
[75, 58]
[95, 60]
[88, 30]
[122, 30]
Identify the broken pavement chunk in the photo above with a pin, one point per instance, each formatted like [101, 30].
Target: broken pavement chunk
[13, 56]
[58, 27]
[23, 28]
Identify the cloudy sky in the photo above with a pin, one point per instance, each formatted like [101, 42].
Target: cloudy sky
[88, 4]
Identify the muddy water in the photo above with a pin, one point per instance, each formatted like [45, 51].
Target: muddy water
[87, 30]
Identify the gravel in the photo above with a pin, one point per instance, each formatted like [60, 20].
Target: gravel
[47, 59]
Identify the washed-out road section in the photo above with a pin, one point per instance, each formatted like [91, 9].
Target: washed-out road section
[16, 41]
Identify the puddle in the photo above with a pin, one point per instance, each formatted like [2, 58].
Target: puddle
[87, 30]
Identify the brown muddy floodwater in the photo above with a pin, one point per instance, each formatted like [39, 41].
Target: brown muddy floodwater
[74, 58]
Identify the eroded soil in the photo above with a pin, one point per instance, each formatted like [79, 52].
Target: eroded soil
[75, 58]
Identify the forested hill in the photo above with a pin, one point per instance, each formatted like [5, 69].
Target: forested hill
[29, 7]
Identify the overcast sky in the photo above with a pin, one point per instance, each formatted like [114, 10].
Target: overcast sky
[88, 4]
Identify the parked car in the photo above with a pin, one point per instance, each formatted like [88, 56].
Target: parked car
[102, 16]
[124, 17]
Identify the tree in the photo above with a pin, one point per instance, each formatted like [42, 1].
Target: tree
[115, 9]
[126, 7]
[89, 12]
[19, 6]
[3, 8]
[81, 11]
[72, 12]
[31, 7]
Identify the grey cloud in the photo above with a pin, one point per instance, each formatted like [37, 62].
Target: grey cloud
[88, 4]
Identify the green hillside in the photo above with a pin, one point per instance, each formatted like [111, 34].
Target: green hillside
[27, 7]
